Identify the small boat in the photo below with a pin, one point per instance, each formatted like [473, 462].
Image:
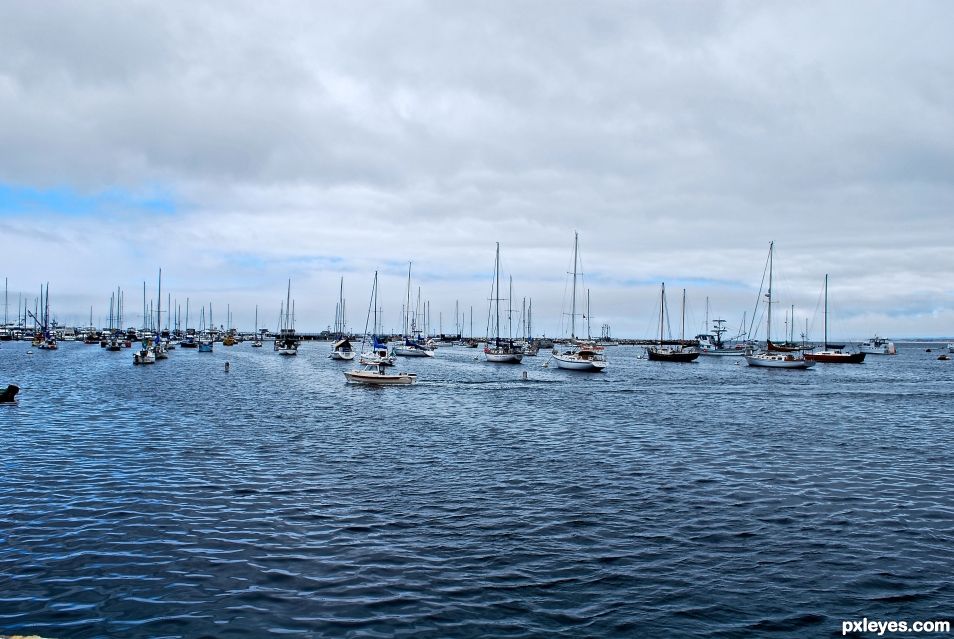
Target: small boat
[588, 357]
[660, 353]
[771, 358]
[878, 346]
[500, 351]
[145, 355]
[378, 354]
[950, 348]
[376, 374]
[286, 343]
[341, 350]
[944, 358]
[833, 353]
[258, 336]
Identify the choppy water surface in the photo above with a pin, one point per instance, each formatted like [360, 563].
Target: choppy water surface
[713, 500]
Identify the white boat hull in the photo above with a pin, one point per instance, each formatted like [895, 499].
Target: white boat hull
[287, 352]
[504, 358]
[778, 361]
[342, 355]
[380, 379]
[574, 363]
[412, 352]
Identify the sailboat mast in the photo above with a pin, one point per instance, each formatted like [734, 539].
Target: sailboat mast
[159, 304]
[374, 330]
[768, 329]
[589, 333]
[826, 311]
[288, 306]
[683, 333]
[662, 308]
[510, 310]
[497, 296]
[576, 240]
[407, 307]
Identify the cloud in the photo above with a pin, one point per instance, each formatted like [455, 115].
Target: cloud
[246, 143]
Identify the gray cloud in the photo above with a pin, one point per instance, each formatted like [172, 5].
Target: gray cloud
[679, 138]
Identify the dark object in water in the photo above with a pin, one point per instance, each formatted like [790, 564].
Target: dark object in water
[10, 394]
[943, 358]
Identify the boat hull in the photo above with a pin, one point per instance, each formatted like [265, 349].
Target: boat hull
[342, 355]
[504, 358]
[665, 355]
[827, 357]
[778, 361]
[412, 352]
[573, 363]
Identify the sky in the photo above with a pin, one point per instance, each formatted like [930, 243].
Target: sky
[240, 145]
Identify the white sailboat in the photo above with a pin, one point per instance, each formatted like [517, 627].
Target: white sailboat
[286, 343]
[341, 349]
[257, 343]
[770, 358]
[378, 354]
[413, 346]
[500, 352]
[375, 372]
[586, 356]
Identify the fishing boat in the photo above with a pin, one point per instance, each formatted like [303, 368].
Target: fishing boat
[769, 358]
[833, 353]
[671, 353]
[500, 351]
[878, 346]
[377, 374]
[286, 343]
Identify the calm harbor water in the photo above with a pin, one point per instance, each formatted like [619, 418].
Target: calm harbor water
[665, 500]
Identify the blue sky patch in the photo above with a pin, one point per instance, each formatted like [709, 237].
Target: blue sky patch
[65, 201]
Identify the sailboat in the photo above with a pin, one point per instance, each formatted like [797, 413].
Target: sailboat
[660, 353]
[286, 343]
[374, 370]
[500, 352]
[206, 340]
[159, 348]
[769, 358]
[341, 350]
[587, 356]
[379, 353]
[831, 353]
[413, 345]
[258, 337]
[45, 336]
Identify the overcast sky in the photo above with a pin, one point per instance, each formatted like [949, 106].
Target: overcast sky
[237, 145]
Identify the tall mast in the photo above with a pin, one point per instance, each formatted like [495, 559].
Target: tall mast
[374, 331]
[497, 296]
[768, 329]
[662, 308]
[826, 311]
[576, 240]
[288, 319]
[472, 321]
[407, 307]
[683, 334]
[589, 334]
[530, 320]
[159, 305]
[187, 315]
[510, 310]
